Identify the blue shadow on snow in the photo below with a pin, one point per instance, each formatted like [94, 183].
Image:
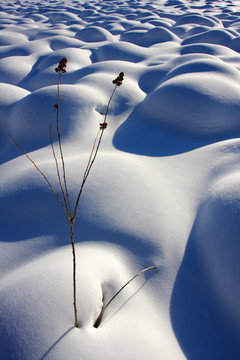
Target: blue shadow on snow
[201, 327]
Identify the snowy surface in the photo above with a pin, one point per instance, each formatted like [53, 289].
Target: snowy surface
[164, 190]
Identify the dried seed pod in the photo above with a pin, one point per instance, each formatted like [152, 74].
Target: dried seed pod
[118, 81]
[103, 125]
[61, 66]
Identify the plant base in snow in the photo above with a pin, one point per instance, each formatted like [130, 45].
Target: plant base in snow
[97, 322]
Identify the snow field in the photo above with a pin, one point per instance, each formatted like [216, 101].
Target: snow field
[164, 189]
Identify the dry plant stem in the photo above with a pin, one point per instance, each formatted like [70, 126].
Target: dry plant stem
[90, 158]
[98, 320]
[72, 219]
[68, 207]
[64, 189]
[61, 152]
[101, 133]
[71, 232]
[56, 163]
[74, 278]
[48, 182]
[93, 157]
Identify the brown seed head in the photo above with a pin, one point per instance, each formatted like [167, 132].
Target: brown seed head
[103, 125]
[118, 81]
[61, 66]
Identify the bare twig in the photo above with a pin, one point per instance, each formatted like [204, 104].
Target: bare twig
[92, 157]
[98, 320]
[74, 277]
[44, 176]
[56, 161]
[60, 148]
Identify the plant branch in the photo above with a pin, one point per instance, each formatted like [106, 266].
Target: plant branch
[56, 162]
[93, 157]
[90, 158]
[98, 320]
[44, 176]
[61, 152]
[74, 278]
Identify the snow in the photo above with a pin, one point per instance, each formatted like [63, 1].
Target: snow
[164, 189]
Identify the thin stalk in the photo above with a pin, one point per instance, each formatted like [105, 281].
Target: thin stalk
[56, 163]
[44, 176]
[68, 209]
[101, 134]
[91, 162]
[74, 278]
[60, 148]
[98, 320]
[90, 158]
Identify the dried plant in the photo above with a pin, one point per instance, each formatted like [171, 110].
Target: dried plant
[69, 209]
[98, 320]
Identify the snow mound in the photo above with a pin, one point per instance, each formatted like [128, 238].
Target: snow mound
[133, 35]
[56, 17]
[235, 44]
[211, 65]
[197, 99]
[94, 34]
[205, 296]
[158, 35]
[211, 49]
[197, 19]
[216, 239]
[34, 112]
[10, 94]
[11, 38]
[124, 51]
[194, 30]
[48, 279]
[150, 37]
[77, 58]
[59, 42]
[217, 36]
[14, 69]
[204, 101]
